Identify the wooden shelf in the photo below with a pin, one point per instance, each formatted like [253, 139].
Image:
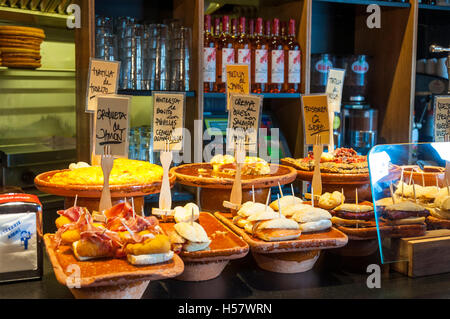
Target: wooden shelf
[32, 17]
[368, 2]
[149, 92]
[437, 8]
[265, 95]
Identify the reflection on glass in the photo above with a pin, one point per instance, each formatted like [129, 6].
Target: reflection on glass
[407, 181]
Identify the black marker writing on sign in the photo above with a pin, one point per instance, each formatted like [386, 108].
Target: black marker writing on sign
[114, 134]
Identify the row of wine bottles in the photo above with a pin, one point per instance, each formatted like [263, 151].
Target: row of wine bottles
[269, 48]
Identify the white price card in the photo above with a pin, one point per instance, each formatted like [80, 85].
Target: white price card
[441, 118]
[244, 118]
[168, 120]
[316, 119]
[103, 79]
[335, 83]
[111, 124]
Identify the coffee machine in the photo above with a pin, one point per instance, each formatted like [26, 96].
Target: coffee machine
[358, 120]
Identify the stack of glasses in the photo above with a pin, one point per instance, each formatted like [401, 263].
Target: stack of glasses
[105, 40]
[140, 144]
[153, 56]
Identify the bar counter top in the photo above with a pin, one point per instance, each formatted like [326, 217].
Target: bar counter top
[333, 276]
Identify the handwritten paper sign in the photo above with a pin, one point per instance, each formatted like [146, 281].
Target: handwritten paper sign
[168, 120]
[316, 118]
[335, 83]
[111, 124]
[243, 120]
[102, 80]
[441, 118]
[238, 80]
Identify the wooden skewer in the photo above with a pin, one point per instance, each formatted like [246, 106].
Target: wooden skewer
[312, 196]
[253, 193]
[293, 194]
[392, 193]
[75, 202]
[279, 205]
[281, 191]
[403, 184]
[437, 181]
[356, 196]
[267, 199]
[342, 197]
[132, 205]
[414, 191]
[423, 179]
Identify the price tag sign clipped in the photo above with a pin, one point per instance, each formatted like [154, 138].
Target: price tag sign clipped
[237, 80]
[316, 119]
[103, 79]
[244, 118]
[441, 118]
[168, 120]
[111, 124]
[335, 83]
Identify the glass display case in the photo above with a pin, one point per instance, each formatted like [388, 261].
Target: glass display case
[410, 191]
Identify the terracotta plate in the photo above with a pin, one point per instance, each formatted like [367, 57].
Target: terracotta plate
[188, 174]
[127, 190]
[106, 272]
[320, 240]
[223, 246]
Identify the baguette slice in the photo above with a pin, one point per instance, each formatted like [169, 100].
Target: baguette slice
[319, 225]
[277, 234]
[149, 259]
[406, 221]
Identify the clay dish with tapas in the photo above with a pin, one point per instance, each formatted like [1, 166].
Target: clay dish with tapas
[108, 278]
[215, 187]
[291, 255]
[206, 264]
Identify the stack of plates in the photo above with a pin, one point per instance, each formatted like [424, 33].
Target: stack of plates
[20, 47]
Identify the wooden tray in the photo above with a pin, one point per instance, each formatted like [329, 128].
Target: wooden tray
[291, 256]
[429, 178]
[208, 264]
[94, 191]
[330, 178]
[187, 174]
[321, 240]
[107, 278]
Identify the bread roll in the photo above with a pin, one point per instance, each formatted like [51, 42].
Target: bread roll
[192, 231]
[311, 214]
[263, 215]
[184, 214]
[291, 210]
[149, 259]
[278, 223]
[405, 206]
[331, 200]
[314, 226]
[443, 202]
[277, 234]
[250, 208]
[285, 202]
[350, 222]
[439, 213]
[406, 221]
[354, 208]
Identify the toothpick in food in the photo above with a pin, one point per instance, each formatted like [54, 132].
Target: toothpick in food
[392, 193]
